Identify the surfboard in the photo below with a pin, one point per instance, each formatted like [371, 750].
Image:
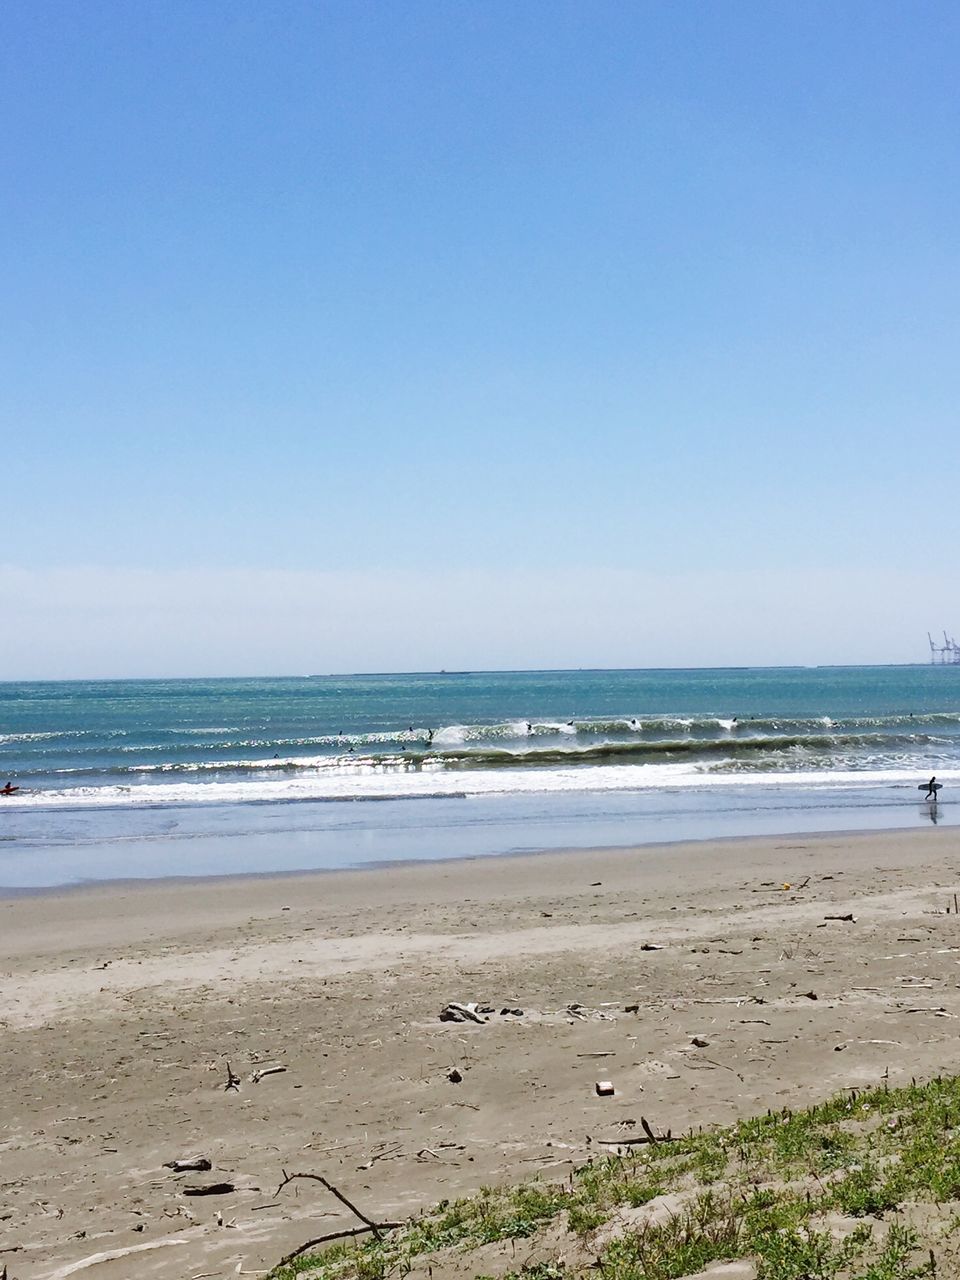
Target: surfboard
[924, 786]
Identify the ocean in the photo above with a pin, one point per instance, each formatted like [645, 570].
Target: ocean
[141, 778]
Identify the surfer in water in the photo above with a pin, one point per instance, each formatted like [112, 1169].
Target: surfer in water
[8, 790]
[932, 789]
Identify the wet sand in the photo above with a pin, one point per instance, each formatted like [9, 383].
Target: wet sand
[122, 1005]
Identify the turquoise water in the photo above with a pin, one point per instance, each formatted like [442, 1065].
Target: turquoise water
[183, 773]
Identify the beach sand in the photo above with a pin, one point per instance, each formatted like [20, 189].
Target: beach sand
[121, 1006]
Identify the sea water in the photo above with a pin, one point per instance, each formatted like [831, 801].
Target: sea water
[197, 777]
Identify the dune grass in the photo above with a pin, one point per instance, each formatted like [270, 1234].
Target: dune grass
[864, 1185]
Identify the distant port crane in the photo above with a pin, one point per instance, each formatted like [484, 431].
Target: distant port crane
[946, 654]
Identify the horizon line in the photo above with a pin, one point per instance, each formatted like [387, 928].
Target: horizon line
[476, 671]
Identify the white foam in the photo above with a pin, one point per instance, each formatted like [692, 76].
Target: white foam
[376, 781]
[452, 735]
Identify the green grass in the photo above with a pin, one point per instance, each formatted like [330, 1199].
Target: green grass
[758, 1189]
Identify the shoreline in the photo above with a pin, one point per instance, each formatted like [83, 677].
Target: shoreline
[73, 889]
[41, 851]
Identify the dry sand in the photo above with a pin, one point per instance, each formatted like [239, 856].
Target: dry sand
[120, 1007]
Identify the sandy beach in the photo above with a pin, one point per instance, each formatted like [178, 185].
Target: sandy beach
[121, 1007]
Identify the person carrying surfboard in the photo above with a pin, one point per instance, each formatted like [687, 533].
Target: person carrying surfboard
[932, 789]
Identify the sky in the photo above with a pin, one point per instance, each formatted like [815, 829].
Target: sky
[351, 336]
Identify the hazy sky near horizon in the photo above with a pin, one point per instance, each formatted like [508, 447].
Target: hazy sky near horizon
[345, 336]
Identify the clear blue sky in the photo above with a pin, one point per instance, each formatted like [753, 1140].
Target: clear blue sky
[300, 299]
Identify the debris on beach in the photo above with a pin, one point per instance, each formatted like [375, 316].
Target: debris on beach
[211, 1189]
[456, 1012]
[189, 1164]
[580, 1012]
[699, 1043]
[604, 1088]
[260, 1072]
[388, 1151]
[633, 1139]
[369, 1224]
[454, 1076]
[436, 1153]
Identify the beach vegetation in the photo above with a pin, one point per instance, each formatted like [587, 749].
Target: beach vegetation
[861, 1187]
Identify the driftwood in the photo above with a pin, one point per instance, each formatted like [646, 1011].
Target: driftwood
[724, 1067]
[233, 1081]
[212, 1189]
[193, 1164]
[849, 916]
[644, 1124]
[259, 1074]
[456, 1012]
[376, 1228]
[328, 1239]
[641, 1139]
[394, 1152]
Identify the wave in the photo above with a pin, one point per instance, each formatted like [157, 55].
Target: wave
[50, 735]
[372, 784]
[755, 750]
[614, 729]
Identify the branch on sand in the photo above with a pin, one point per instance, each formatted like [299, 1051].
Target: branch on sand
[377, 1228]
